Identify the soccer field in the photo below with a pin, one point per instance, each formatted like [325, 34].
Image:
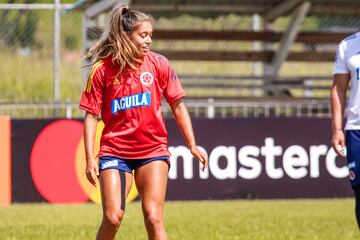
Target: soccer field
[210, 220]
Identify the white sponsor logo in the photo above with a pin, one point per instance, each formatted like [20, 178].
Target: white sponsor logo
[133, 101]
[295, 161]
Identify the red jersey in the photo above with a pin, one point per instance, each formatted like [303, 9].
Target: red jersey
[130, 106]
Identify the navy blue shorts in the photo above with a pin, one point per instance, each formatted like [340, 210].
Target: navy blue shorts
[353, 155]
[126, 165]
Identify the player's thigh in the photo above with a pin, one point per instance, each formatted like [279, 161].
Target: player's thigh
[115, 186]
[151, 182]
[353, 155]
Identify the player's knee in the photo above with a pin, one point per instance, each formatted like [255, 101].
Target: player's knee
[113, 219]
[154, 219]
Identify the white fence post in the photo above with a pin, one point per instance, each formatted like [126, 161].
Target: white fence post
[211, 108]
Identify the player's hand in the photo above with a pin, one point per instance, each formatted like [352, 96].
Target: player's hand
[92, 171]
[338, 142]
[200, 156]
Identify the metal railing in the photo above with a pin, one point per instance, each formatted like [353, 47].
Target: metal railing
[206, 108]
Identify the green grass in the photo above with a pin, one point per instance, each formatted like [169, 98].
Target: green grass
[30, 78]
[33, 80]
[212, 220]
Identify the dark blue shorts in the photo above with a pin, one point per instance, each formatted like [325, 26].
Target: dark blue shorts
[353, 155]
[126, 165]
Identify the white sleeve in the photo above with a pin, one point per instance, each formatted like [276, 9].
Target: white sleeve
[340, 66]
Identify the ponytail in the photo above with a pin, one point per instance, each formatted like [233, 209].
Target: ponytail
[115, 40]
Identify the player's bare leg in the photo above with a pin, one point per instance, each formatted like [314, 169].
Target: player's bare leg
[113, 201]
[151, 182]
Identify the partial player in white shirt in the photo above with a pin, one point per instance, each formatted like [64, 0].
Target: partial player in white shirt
[346, 141]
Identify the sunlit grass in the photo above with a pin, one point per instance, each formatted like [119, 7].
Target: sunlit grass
[330, 219]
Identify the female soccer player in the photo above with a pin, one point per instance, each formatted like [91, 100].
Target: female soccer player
[126, 85]
[346, 68]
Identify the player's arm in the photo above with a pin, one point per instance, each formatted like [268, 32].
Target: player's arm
[338, 100]
[92, 169]
[184, 123]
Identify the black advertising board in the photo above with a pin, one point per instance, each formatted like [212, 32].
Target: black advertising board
[259, 158]
[248, 158]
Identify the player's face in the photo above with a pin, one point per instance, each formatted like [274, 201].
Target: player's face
[141, 37]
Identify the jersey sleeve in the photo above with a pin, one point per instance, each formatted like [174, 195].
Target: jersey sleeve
[92, 96]
[340, 66]
[173, 90]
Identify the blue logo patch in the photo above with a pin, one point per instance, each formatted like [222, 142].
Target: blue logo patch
[132, 101]
[352, 165]
[358, 74]
[108, 164]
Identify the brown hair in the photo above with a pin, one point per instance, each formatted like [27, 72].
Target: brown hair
[115, 40]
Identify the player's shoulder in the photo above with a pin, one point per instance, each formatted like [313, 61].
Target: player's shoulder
[352, 39]
[350, 43]
[158, 57]
[355, 36]
[104, 66]
[99, 65]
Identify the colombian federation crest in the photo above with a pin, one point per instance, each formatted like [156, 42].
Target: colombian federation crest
[352, 175]
[146, 78]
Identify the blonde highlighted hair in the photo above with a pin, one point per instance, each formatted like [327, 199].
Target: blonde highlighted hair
[115, 40]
